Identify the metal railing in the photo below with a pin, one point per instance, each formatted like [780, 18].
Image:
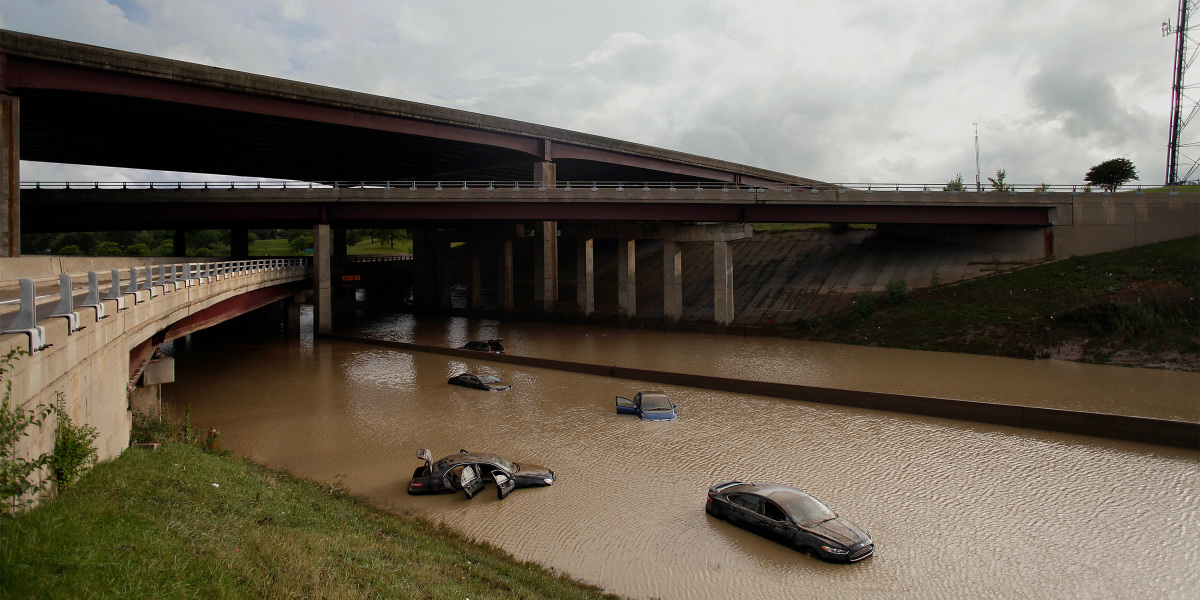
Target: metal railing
[21, 308]
[577, 186]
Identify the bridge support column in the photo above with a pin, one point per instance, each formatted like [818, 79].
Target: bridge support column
[10, 177]
[441, 258]
[507, 298]
[626, 277]
[339, 241]
[179, 244]
[672, 281]
[239, 243]
[322, 281]
[545, 264]
[425, 269]
[475, 302]
[585, 276]
[722, 283]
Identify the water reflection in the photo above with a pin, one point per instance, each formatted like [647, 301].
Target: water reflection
[1046, 383]
[958, 509]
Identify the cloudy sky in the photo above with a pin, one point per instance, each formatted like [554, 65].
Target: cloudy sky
[840, 91]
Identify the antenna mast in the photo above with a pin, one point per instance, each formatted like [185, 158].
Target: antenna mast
[1179, 121]
[978, 185]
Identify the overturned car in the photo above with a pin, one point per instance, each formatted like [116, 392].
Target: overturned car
[470, 471]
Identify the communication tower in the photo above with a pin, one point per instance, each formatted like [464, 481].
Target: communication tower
[1183, 106]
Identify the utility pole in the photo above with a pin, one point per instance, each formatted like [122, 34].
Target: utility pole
[1178, 120]
[978, 185]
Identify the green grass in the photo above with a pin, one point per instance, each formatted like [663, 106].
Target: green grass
[281, 247]
[1142, 300]
[153, 525]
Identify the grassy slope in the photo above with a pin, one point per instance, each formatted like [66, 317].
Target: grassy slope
[152, 525]
[281, 247]
[1137, 307]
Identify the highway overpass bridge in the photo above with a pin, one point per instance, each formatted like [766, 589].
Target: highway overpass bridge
[452, 176]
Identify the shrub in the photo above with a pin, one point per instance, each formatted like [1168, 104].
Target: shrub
[16, 489]
[137, 250]
[897, 291]
[71, 250]
[109, 249]
[864, 304]
[73, 450]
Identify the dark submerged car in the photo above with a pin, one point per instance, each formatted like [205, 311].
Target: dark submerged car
[493, 345]
[469, 471]
[651, 406]
[479, 381]
[790, 517]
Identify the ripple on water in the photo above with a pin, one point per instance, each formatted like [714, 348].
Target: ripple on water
[957, 509]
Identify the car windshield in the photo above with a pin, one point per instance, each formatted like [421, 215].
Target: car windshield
[655, 403]
[804, 509]
[507, 466]
[489, 379]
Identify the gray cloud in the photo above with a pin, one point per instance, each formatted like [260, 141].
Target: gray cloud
[841, 91]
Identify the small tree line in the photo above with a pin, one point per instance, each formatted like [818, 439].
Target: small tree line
[1108, 176]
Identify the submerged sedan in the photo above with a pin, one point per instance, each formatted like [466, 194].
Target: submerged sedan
[479, 381]
[469, 471]
[651, 406]
[790, 517]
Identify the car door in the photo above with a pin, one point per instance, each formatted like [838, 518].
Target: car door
[775, 523]
[743, 511]
[504, 483]
[625, 406]
[470, 481]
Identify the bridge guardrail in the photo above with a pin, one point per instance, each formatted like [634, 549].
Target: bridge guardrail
[21, 308]
[585, 186]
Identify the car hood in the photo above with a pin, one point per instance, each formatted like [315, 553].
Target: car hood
[841, 531]
[659, 415]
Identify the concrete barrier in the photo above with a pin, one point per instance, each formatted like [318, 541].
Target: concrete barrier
[1181, 434]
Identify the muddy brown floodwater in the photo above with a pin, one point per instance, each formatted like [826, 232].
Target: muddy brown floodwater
[957, 509]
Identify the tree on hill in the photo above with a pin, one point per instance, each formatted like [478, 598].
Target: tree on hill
[1111, 174]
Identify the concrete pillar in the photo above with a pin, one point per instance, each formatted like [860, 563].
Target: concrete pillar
[293, 317]
[545, 173]
[545, 266]
[339, 241]
[441, 266]
[322, 281]
[626, 277]
[722, 283]
[585, 276]
[425, 271]
[10, 176]
[239, 243]
[476, 300]
[507, 298]
[179, 244]
[672, 281]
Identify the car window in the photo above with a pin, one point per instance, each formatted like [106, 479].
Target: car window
[773, 512]
[747, 501]
[472, 379]
[805, 509]
[655, 403]
[489, 379]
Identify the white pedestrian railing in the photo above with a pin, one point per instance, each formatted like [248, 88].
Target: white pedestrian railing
[21, 309]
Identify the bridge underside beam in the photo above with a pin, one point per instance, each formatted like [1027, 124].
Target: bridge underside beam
[228, 309]
[39, 216]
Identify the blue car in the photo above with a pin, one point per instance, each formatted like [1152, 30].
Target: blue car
[651, 406]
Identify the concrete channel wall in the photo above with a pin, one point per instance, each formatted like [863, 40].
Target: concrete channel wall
[1135, 429]
[91, 367]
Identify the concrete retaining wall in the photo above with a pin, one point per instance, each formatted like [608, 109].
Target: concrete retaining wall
[1136, 429]
[91, 367]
